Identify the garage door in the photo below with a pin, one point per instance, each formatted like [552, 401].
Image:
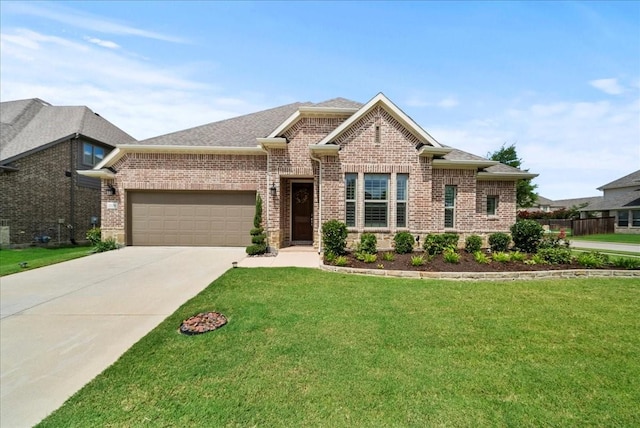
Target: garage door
[191, 218]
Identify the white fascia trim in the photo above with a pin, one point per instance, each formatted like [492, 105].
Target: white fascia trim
[398, 114]
[114, 156]
[285, 125]
[272, 143]
[505, 175]
[326, 149]
[433, 151]
[447, 163]
[97, 173]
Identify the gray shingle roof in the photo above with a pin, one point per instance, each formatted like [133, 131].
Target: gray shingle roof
[240, 131]
[28, 125]
[632, 179]
[339, 103]
[629, 199]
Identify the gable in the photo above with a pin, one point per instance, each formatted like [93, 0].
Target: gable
[380, 105]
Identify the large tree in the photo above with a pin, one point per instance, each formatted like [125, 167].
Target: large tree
[525, 190]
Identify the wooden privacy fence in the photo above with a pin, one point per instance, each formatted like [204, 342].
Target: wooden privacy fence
[583, 226]
[592, 226]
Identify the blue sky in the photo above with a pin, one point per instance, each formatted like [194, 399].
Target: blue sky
[561, 80]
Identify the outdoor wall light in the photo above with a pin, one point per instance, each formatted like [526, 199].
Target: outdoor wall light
[111, 191]
[273, 190]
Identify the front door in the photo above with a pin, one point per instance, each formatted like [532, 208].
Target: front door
[302, 212]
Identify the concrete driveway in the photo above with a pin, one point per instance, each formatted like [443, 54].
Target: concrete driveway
[64, 324]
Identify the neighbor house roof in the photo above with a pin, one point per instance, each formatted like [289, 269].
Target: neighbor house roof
[629, 180]
[33, 124]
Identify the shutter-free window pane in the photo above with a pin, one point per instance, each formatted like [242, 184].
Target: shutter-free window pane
[635, 216]
[623, 218]
[449, 205]
[350, 199]
[98, 154]
[401, 196]
[492, 204]
[375, 214]
[87, 154]
[376, 193]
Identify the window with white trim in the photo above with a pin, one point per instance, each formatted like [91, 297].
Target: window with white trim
[402, 181]
[376, 195]
[92, 154]
[492, 205]
[449, 205]
[350, 184]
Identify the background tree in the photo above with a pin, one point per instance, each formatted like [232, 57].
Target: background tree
[525, 189]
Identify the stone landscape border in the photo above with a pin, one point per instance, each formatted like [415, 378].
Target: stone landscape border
[489, 276]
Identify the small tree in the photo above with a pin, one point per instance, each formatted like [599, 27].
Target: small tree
[525, 189]
[258, 237]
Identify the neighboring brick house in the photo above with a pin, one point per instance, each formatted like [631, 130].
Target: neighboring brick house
[369, 165]
[42, 198]
[621, 199]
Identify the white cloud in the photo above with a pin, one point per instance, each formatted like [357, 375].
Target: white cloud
[83, 20]
[140, 97]
[574, 146]
[608, 86]
[104, 43]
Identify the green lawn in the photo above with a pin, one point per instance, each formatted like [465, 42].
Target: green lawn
[310, 348]
[37, 257]
[620, 238]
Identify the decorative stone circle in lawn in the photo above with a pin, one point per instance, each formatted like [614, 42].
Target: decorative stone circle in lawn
[202, 323]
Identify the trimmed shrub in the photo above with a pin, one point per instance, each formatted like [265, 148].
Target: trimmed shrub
[258, 237]
[526, 235]
[403, 242]
[499, 241]
[334, 237]
[368, 244]
[473, 243]
[436, 243]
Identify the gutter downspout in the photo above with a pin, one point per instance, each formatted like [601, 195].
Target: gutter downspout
[319, 200]
[72, 198]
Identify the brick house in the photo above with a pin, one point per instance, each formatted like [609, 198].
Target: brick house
[369, 165]
[42, 198]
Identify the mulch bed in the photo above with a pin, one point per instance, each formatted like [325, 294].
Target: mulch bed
[202, 323]
[467, 264]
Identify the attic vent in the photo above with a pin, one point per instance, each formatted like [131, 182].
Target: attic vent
[377, 136]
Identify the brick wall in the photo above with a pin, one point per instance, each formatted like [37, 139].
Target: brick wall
[177, 171]
[38, 195]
